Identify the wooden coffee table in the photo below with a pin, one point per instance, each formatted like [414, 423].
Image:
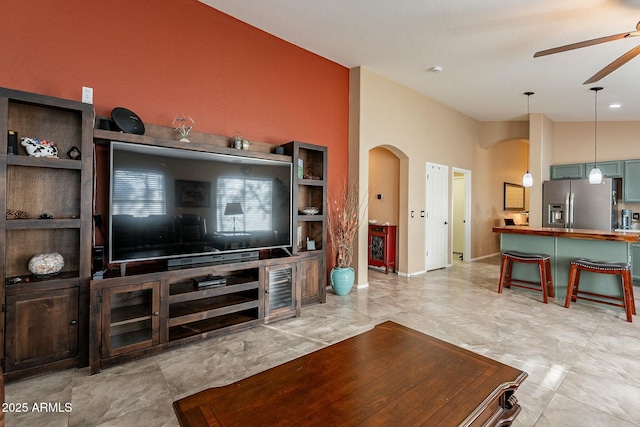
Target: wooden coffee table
[389, 376]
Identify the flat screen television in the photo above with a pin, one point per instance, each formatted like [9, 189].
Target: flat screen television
[168, 203]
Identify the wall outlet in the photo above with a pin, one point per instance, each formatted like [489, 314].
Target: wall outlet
[87, 95]
[636, 216]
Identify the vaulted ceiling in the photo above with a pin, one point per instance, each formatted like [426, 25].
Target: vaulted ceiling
[485, 49]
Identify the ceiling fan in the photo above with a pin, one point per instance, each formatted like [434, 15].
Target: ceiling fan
[609, 68]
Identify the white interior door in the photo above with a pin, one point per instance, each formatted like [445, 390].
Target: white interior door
[436, 216]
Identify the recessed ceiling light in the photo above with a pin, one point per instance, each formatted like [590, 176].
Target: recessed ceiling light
[435, 69]
[615, 105]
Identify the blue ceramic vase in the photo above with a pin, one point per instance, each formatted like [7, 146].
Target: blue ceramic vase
[342, 280]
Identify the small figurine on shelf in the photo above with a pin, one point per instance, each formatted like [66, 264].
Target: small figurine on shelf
[74, 153]
[39, 147]
[240, 142]
[12, 142]
[182, 127]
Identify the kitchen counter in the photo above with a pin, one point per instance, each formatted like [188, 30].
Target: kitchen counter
[630, 236]
[564, 245]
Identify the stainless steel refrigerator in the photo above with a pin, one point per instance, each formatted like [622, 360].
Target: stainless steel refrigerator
[574, 203]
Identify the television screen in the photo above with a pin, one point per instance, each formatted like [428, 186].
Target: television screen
[172, 203]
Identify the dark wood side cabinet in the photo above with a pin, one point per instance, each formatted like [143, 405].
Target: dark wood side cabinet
[310, 229]
[382, 246]
[42, 327]
[45, 325]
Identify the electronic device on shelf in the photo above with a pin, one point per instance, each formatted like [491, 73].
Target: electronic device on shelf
[210, 280]
[216, 259]
[182, 204]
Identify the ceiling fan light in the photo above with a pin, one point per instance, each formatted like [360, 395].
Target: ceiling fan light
[595, 176]
[527, 180]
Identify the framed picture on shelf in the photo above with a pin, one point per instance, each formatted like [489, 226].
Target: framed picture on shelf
[193, 194]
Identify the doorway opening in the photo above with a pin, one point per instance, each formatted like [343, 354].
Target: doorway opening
[461, 215]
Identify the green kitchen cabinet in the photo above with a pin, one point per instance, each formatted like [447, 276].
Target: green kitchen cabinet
[610, 169]
[631, 191]
[575, 171]
[635, 261]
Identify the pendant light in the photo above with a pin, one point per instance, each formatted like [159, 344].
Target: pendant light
[595, 176]
[527, 179]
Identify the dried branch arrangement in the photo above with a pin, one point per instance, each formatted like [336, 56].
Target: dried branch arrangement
[343, 221]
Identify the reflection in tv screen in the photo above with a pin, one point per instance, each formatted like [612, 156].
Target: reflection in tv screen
[169, 203]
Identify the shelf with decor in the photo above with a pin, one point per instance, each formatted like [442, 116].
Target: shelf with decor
[59, 189]
[309, 217]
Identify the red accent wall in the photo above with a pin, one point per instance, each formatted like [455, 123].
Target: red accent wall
[164, 57]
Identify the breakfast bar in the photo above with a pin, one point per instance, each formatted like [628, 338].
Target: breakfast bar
[564, 245]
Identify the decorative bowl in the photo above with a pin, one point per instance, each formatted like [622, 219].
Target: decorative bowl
[44, 265]
[310, 210]
[373, 221]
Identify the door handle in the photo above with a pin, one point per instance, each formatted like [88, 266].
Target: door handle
[446, 223]
[73, 323]
[155, 313]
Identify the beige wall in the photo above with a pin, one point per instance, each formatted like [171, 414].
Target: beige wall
[384, 179]
[420, 130]
[492, 132]
[417, 130]
[574, 141]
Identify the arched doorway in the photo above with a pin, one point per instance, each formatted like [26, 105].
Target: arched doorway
[385, 194]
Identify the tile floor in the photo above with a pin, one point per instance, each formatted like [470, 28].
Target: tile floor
[583, 362]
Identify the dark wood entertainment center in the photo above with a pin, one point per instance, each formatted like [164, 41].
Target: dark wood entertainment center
[145, 307]
[147, 311]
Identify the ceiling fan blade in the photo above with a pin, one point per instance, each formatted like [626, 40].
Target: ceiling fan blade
[581, 44]
[614, 65]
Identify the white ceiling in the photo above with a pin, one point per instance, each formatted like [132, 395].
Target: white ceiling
[485, 48]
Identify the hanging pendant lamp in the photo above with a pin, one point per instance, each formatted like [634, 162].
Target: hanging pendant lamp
[527, 179]
[595, 176]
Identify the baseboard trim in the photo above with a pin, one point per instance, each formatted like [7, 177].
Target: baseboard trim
[485, 256]
[417, 273]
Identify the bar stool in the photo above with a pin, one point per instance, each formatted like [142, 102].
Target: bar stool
[545, 285]
[622, 269]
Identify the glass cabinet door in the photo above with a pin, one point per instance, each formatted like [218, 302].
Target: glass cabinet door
[130, 318]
